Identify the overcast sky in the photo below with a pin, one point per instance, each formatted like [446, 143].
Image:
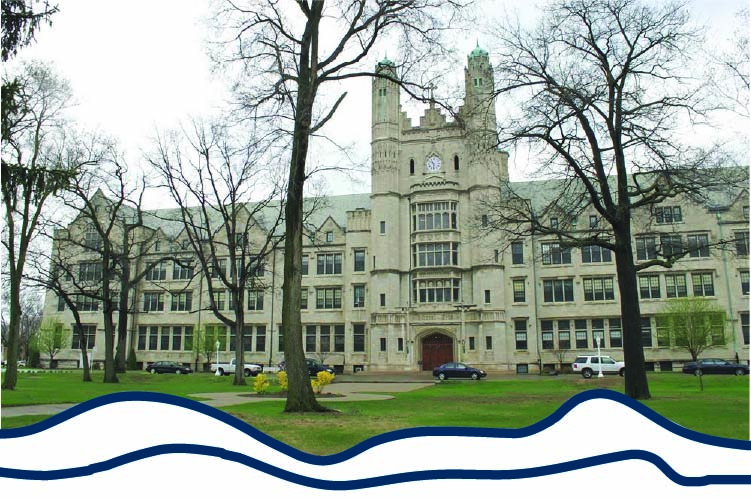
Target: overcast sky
[141, 65]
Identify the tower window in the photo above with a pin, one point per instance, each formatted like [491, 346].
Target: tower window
[382, 92]
[412, 167]
[456, 162]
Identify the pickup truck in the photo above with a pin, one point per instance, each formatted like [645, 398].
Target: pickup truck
[222, 369]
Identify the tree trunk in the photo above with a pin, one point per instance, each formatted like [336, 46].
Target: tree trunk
[14, 326]
[84, 347]
[122, 322]
[636, 385]
[239, 342]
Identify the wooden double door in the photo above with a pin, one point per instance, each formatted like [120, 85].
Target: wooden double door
[437, 349]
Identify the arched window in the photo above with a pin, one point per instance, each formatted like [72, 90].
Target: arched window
[456, 162]
[412, 167]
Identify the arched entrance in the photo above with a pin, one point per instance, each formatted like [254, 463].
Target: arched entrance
[437, 349]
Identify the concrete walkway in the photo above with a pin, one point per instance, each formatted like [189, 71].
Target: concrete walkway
[350, 389]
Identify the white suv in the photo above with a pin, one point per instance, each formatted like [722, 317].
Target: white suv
[589, 364]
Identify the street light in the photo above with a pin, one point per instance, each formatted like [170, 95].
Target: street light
[599, 358]
[217, 360]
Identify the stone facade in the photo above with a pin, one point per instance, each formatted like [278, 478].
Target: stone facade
[405, 278]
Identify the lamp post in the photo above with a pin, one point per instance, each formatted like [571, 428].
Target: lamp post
[217, 360]
[599, 358]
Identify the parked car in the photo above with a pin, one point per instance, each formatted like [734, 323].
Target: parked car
[590, 364]
[458, 370]
[165, 367]
[314, 367]
[714, 366]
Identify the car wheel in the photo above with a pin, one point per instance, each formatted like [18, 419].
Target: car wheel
[247, 372]
[622, 372]
[739, 372]
[697, 372]
[442, 376]
[153, 371]
[475, 376]
[587, 373]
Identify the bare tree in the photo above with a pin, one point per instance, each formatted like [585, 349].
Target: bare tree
[40, 156]
[31, 319]
[730, 73]
[50, 339]
[602, 89]
[288, 55]
[231, 235]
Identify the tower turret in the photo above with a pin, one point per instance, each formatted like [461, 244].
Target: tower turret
[479, 103]
[385, 128]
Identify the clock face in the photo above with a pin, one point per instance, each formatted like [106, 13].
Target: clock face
[433, 164]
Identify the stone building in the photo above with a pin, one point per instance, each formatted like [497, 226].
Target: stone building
[401, 279]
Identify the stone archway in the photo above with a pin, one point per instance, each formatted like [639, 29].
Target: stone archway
[437, 349]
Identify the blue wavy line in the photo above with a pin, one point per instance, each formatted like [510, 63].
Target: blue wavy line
[398, 478]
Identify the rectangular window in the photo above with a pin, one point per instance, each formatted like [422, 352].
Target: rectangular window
[564, 334]
[649, 286]
[156, 271]
[546, 332]
[182, 301]
[614, 327]
[383, 227]
[433, 216]
[310, 338]
[435, 254]
[744, 327]
[744, 281]
[87, 336]
[520, 330]
[593, 221]
[646, 248]
[741, 243]
[164, 339]
[400, 344]
[329, 236]
[358, 338]
[219, 300]
[580, 333]
[359, 296]
[598, 331]
[359, 260]
[553, 253]
[703, 284]
[558, 290]
[182, 271]
[383, 344]
[177, 338]
[666, 215]
[304, 298]
[255, 299]
[260, 338]
[142, 331]
[517, 252]
[436, 291]
[233, 339]
[304, 264]
[520, 294]
[472, 346]
[662, 325]
[598, 289]
[646, 332]
[86, 303]
[280, 339]
[487, 296]
[596, 254]
[219, 268]
[672, 245]
[675, 286]
[188, 346]
[383, 300]
[60, 303]
[153, 337]
[488, 343]
[329, 298]
[153, 301]
[339, 338]
[325, 338]
[329, 264]
[698, 245]
[89, 272]
[554, 223]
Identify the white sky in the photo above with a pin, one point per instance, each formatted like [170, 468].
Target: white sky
[141, 65]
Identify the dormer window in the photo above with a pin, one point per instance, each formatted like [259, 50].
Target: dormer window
[329, 236]
[554, 223]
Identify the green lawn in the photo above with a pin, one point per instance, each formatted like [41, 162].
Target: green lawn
[722, 409]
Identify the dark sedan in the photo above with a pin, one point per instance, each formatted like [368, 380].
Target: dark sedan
[167, 368]
[714, 366]
[314, 367]
[457, 370]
